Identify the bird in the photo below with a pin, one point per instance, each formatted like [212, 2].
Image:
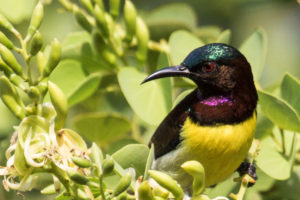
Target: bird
[215, 123]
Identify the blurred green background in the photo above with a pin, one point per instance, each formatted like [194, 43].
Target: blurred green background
[279, 18]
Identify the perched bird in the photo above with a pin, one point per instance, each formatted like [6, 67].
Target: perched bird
[215, 123]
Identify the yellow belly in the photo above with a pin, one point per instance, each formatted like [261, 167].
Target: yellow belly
[220, 149]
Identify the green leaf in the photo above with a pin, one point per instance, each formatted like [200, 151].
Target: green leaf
[254, 49]
[165, 19]
[208, 34]
[150, 101]
[290, 91]
[224, 37]
[102, 128]
[73, 70]
[279, 112]
[181, 44]
[272, 161]
[85, 89]
[133, 155]
[17, 10]
[71, 47]
[264, 126]
[149, 162]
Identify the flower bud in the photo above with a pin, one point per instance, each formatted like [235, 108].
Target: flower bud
[5, 41]
[36, 18]
[54, 58]
[144, 191]
[43, 86]
[99, 3]
[158, 198]
[161, 192]
[76, 177]
[102, 49]
[123, 184]
[108, 166]
[97, 157]
[167, 182]
[114, 7]
[5, 68]
[83, 21]
[196, 170]
[60, 104]
[130, 19]
[36, 43]
[11, 98]
[87, 4]
[50, 189]
[83, 195]
[100, 21]
[6, 24]
[142, 35]
[41, 62]
[34, 93]
[122, 196]
[10, 59]
[81, 162]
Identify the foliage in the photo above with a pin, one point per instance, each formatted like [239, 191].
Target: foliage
[95, 76]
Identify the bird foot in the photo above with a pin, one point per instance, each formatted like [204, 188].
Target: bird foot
[250, 169]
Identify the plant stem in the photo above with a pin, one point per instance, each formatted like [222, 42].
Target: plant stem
[245, 179]
[282, 141]
[101, 187]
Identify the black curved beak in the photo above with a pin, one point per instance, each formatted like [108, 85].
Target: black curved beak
[175, 71]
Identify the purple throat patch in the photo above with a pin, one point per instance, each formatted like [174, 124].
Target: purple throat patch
[217, 100]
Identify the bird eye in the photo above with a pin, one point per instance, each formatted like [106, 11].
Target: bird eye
[208, 67]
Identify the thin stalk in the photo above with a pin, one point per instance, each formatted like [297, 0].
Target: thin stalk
[282, 141]
[101, 187]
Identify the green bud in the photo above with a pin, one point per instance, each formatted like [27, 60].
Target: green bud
[36, 18]
[196, 170]
[36, 43]
[110, 22]
[87, 5]
[100, 21]
[43, 86]
[34, 93]
[5, 41]
[130, 19]
[81, 162]
[82, 194]
[144, 191]
[5, 23]
[60, 104]
[204, 197]
[83, 21]
[97, 157]
[158, 198]
[41, 62]
[5, 68]
[11, 98]
[108, 166]
[103, 50]
[67, 4]
[9, 58]
[54, 58]
[76, 177]
[167, 182]
[123, 184]
[100, 4]
[161, 192]
[142, 35]
[16, 80]
[122, 196]
[50, 189]
[114, 6]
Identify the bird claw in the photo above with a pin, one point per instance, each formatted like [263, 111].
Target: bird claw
[250, 169]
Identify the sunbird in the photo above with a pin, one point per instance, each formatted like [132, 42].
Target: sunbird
[215, 123]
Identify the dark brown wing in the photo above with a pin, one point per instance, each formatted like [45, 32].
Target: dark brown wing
[167, 135]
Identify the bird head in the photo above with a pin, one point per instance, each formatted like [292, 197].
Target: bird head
[215, 68]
